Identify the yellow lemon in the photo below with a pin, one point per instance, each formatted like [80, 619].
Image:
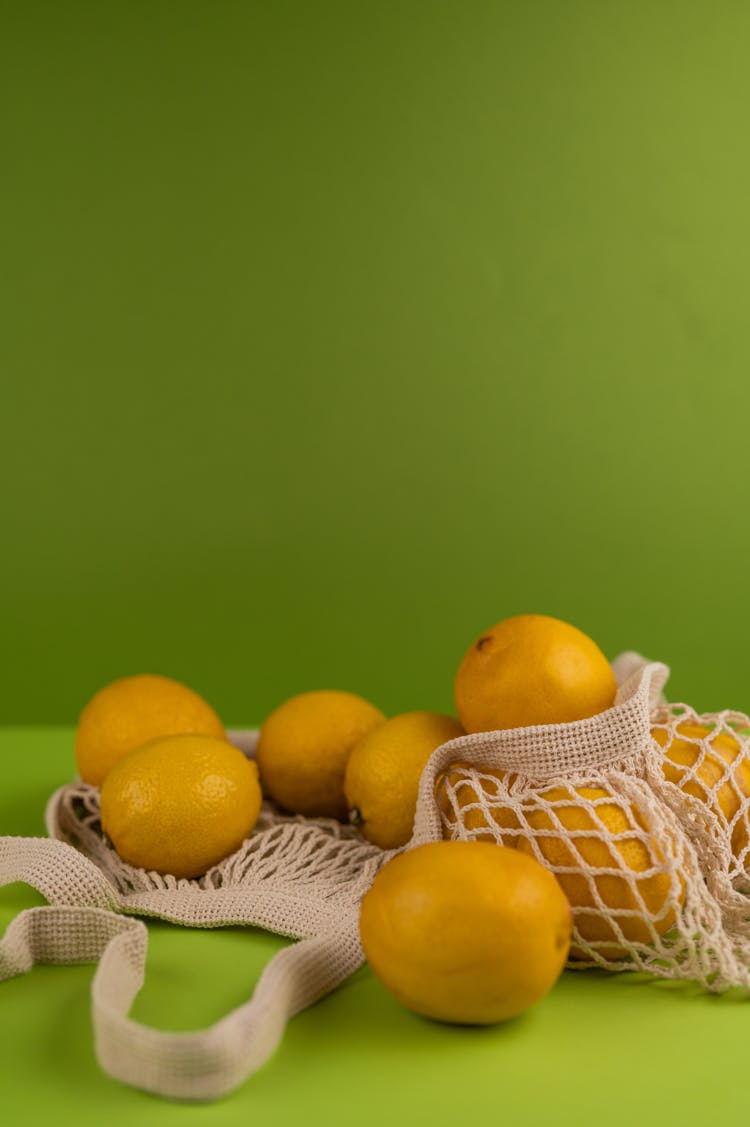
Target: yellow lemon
[471, 803]
[532, 669]
[304, 747]
[571, 838]
[465, 931]
[382, 775]
[713, 768]
[180, 804]
[130, 712]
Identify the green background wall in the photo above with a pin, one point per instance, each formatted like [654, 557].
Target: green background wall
[331, 333]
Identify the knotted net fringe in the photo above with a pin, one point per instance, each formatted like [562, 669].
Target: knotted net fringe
[655, 863]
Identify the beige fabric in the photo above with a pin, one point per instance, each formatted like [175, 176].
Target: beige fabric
[305, 879]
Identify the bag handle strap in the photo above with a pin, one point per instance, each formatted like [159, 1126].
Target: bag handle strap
[82, 924]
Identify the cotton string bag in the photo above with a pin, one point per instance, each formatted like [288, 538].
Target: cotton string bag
[650, 869]
[304, 878]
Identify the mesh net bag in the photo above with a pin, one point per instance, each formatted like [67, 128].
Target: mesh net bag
[298, 877]
[706, 759]
[641, 811]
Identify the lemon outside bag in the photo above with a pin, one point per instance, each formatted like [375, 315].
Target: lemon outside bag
[305, 879]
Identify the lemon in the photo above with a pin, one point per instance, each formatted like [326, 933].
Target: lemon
[304, 746]
[470, 801]
[382, 775]
[532, 669]
[630, 874]
[714, 769]
[131, 711]
[465, 932]
[180, 804]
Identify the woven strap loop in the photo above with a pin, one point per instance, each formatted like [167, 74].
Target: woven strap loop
[82, 926]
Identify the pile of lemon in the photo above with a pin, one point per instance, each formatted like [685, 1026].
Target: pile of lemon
[460, 931]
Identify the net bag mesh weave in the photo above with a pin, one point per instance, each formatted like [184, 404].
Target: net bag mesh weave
[293, 875]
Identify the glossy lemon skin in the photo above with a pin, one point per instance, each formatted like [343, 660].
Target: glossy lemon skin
[383, 772]
[180, 804]
[304, 747]
[465, 932]
[532, 669]
[132, 711]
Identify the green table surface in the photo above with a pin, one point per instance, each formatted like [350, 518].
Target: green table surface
[620, 1049]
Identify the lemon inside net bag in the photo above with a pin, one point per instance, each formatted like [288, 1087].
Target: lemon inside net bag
[640, 812]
